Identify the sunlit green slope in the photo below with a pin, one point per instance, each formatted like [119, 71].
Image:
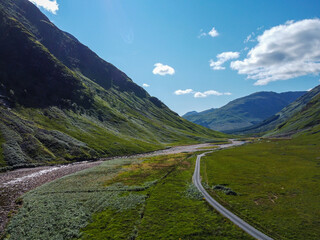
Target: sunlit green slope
[60, 102]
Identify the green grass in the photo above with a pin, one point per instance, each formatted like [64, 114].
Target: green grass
[53, 135]
[103, 139]
[111, 224]
[148, 198]
[172, 214]
[300, 114]
[59, 209]
[308, 116]
[170, 211]
[277, 182]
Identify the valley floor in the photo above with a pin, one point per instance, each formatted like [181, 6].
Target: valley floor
[272, 184]
[129, 198]
[14, 184]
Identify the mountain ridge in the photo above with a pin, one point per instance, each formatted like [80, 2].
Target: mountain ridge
[61, 103]
[245, 111]
[282, 121]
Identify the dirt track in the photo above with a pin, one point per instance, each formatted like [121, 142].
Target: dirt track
[15, 183]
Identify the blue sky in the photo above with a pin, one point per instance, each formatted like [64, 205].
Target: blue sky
[200, 47]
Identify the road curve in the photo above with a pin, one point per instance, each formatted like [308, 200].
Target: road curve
[235, 219]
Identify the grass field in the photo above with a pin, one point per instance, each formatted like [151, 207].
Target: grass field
[149, 198]
[276, 181]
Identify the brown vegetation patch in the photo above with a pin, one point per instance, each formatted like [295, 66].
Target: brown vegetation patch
[184, 165]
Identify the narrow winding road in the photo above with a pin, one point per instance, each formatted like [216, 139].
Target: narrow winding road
[235, 219]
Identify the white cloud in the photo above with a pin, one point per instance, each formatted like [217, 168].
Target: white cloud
[213, 32]
[309, 89]
[222, 58]
[202, 34]
[51, 6]
[247, 39]
[145, 85]
[208, 93]
[183, 92]
[250, 38]
[163, 69]
[283, 52]
[200, 94]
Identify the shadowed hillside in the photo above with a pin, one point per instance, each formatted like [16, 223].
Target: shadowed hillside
[60, 102]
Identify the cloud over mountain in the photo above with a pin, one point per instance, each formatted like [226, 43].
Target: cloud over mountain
[200, 94]
[51, 6]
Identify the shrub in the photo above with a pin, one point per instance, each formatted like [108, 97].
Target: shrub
[193, 192]
[226, 190]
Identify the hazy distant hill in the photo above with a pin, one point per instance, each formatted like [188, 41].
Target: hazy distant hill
[300, 114]
[244, 112]
[61, 102]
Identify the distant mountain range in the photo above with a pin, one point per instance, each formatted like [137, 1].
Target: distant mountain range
[244, 112]
[60, 102]
[301, 114]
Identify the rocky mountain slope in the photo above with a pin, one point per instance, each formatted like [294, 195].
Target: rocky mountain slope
[60, 102]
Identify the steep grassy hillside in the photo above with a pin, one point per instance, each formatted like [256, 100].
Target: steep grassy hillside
[307, 117]
[60, 102]
[300, 114]
[243, 112]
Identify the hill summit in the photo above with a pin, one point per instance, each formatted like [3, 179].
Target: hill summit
[244, 112]
[60, 102]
